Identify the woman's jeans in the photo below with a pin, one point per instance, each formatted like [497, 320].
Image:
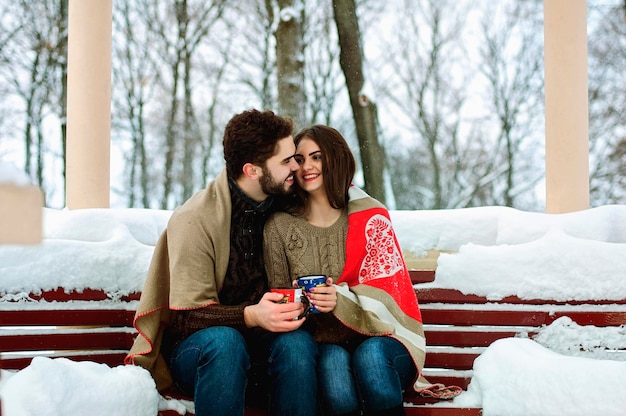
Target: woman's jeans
[371, 378]
[213, 364]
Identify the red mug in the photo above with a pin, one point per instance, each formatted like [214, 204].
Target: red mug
[294, 294]
[290, 295]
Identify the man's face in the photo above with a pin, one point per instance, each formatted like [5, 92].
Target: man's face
[277, 178]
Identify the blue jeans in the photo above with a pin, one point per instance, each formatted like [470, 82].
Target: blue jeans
[370, 379]
[213, 363]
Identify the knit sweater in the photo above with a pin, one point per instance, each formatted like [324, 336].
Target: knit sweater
[295, 248]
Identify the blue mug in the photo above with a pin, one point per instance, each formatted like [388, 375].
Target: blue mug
[308, 282]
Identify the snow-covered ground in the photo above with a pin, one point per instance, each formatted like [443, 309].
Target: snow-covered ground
[497, 252]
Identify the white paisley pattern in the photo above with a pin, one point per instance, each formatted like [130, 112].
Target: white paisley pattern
[383, 258]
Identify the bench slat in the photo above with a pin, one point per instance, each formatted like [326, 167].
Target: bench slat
[465, 338]
[67, 317]
[60, 295]
[458, 360]
[483, 317]
[441, 411]
[498, 317]
[19, 362]
[422, 276]
[600, 318]
[440, 295]
[74, 341]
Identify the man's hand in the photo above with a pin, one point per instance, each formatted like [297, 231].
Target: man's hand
[324, 297]
[273, 316]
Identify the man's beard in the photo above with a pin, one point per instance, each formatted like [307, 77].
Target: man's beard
[270, 186]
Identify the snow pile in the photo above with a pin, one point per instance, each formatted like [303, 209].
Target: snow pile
[62, 387]
[517, 376]
[566, 337]
[502, 251]
[107, 249]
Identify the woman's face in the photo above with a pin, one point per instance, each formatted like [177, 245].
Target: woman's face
[309, 157]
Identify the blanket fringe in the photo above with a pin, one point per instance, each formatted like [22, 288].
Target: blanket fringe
[440, 391]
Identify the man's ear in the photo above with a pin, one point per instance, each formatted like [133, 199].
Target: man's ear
[251, 171]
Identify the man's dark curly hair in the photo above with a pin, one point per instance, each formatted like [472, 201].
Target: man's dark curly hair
[252, 137]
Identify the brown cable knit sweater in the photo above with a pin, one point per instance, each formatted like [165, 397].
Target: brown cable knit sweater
[294, 248]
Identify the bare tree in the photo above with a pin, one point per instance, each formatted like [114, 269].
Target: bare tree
[289, 16]
[217, 70]
[254, 51]
[134, 74]
[180, 29]
[33, 51]
[10, 29]
[61, 63]
[323, 76]
[511, 62]
[426, 88]
[607, 104]
[363, 108]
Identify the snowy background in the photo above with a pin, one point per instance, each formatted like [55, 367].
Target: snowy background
[11, 174]
[497, 252]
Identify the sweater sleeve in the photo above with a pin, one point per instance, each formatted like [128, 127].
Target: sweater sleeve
[190, 321]
[274, 256]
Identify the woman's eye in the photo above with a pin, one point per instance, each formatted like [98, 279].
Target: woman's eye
[299, 159]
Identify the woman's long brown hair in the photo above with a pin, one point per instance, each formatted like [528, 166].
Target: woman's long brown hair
[338, 164]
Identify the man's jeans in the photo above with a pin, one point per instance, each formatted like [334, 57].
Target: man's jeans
[372, 378]
[213, 364]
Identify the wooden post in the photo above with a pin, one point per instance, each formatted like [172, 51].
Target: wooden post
[89, 103]
[566, 102]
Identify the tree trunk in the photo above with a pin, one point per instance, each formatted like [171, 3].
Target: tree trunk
[62, 63]
[363, 109]
[289, 61]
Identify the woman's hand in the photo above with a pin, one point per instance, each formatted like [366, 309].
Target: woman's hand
[324, 297]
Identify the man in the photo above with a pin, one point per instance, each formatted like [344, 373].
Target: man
[206, 319]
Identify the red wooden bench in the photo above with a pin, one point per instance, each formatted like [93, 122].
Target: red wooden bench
[90, 326]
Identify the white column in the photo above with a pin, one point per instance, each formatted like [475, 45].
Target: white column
[21, 214]
[566, 102]
[89, 103]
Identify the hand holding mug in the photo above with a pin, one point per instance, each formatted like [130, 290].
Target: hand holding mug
[272, 315]
[294, 295]
[320, 291]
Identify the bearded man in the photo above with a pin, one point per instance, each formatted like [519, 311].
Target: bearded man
[207, 321]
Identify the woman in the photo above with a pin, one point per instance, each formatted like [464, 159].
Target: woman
[372, 345]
